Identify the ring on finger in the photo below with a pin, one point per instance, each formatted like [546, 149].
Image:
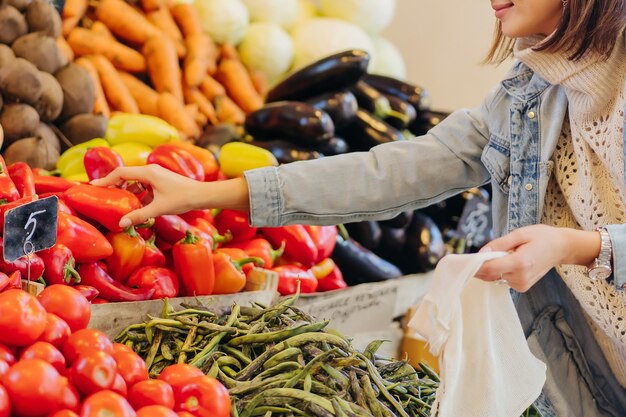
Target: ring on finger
[502, 281]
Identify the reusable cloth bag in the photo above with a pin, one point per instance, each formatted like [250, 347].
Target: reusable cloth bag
[487, 369]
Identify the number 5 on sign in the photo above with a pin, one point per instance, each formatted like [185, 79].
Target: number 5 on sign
[30, 228]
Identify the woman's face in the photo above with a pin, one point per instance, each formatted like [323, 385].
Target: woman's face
[521, 18]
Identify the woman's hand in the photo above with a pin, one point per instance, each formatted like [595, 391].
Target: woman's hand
[534, 250]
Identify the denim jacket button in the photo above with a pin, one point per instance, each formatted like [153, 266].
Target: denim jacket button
[531, 114]
[528, 186]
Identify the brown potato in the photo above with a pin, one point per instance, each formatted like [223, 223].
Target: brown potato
[79, 93]
[6, 55]
[20, 5]
[84, 127]
[18, 121]
[1, 136]
[50, 104]
[20, 81]
[35, 151]
[44, 131]
[41, 50]
[12, 24]
[41, 16]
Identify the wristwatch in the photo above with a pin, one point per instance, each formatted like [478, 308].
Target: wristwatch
[601, 266]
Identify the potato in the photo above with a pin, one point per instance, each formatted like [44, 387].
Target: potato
[1, 103]
[6, 55]
[35, 151]
[50, 104]
[84, 127]
[18, 121]
[44, 131]
[41, 50]
[21, 81]
[79, 93]
[1, 136]
[12, 24]
[20, 5]
[41, 16]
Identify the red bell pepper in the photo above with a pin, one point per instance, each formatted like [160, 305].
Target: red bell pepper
[21, 264]
[104, 205]
[8, 206]
[236, 223]
[152, 255]
[299, 246]
[8, 190]
[51, 184]
[229, 266]
[238, 254]
[60, 266]
[128, 251]
[23, 178]
[4, 281]
[194, 214]
[100, 161]
[172, 228]
[260, 248]
[94, 275]
[193, 262]
[99, 300]
[88, 291]
[204, 156]
[177, 160]
[62, 204]
[15, 280]
[288, 277]
[86, 243]
[209, 229]
[164, 281]
[332, 281]
[325, 238]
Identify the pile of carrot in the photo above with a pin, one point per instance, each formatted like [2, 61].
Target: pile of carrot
[153, 57]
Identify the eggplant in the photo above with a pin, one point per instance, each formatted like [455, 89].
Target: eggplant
[298, 122]
[424, 244]
[367, 233]
[333, 146]
[426, 121]
[215, 136]
[371, 99]
[414, 95]
[402, 114]
[286, 152]
[360, 265]
[392, 242]
[367, 131]
[401, 221]
[332, 73]
[341, 106]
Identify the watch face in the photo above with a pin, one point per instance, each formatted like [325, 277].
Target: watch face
[600, 272]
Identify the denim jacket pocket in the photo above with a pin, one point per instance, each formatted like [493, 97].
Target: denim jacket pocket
[497, 159]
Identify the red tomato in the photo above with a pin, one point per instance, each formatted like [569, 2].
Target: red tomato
[67, 303]
[5, 405]
[106, 403]
[203, 396]
[155, 411]
[23, 318]
[93, 371]
[119, 386]
[56, 332]
[118, 347]
[131, 367]
[64, 413]
[70, 399]
[86, 340]
[7, 355]
[179, 374]
[4, 368]
[151, 392]
[46, 352]
[34, 386]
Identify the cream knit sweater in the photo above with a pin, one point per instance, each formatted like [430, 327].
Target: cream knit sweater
[587, 187]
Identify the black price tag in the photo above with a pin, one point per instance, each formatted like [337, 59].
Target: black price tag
[30, 228]
[475, 224]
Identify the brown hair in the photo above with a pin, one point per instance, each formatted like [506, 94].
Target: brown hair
[586, 25]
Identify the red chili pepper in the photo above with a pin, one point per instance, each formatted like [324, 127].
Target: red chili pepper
[288, 277]
[85, 241]
[235, 222]
[204, 156]
[177, 160]
[325, 238]
[60, 265]
[152, 255]
[164, 281]
[299, 246]
[104, 205]
[88, 291]
[21, 264]
[62, 204]
[100, 161]
[99, 301]
[193, 262]
[128, 251]
[93, 274]
[15, 280]
[261, 248]
[208, 229]
[8, 206]
[229, 275]
[8, 191]
[23, 178]
[172, 228]
[51, 184]
[195, 214]
[4, 281]
[332, 281]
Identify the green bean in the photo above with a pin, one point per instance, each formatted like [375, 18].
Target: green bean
[236, 353]
[429, 371]
[192, 312]
[229, 371]
[280, 357]
[418, 401]
[357, 390]
[154, 349]
[336, 375]
[377, 380]
[262, 410]
[319, 359]
[372, 348]
[182, 356]
[240, 388]
[337, 408]
[371, 397]
[278, 369]
[353, 409]
[199, 359]
[308, 383]
[166, 352]
[277, 336]
[208, 326]
[287, 393]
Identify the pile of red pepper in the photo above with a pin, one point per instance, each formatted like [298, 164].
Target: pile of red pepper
[201, 252]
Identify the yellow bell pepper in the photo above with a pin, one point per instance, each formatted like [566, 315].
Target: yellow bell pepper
[78, 151]
[73, 167]
[82, 177]
[237, 157]
[133, 153]
[139, 128]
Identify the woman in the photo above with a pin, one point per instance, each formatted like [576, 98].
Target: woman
[550, 140]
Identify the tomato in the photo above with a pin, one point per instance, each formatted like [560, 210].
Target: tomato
[64, 413]
[155, 411]
[4, 368]
[119, 347]
[34, 386]
[7, 355]
[70, 399]
[178, 374]
[86, 340]
[56, 332]
[203, 396]
[131, 366]
[119, 386]
[5, 404]
[151, 392]
[23, 318]
[93, 371]
[67, 303]
[46, 352]
[106, 403]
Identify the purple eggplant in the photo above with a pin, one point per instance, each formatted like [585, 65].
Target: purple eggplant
[341, 106]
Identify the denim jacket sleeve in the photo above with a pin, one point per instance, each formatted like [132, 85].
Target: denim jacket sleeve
[618, 241]
[378, 184]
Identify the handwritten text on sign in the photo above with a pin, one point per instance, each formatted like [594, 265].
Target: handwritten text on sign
[30, 228]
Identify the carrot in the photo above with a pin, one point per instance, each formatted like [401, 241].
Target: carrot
[228, 111]
[211, 88]
[164, 21]
[173, 111]
[228, 51]
[194, 96]
[163, 66]
[73, 11]
[102, 29]
[200, 58]
[152, 5]
[101, 106]
[125, 21]
[260, 82]
[199, 118]
[235, 78]
[86, 42]
[115, 91]
[145, 96]
[65, 48]
[187, 18]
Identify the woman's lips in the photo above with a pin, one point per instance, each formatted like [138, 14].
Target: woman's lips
[501, 9]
